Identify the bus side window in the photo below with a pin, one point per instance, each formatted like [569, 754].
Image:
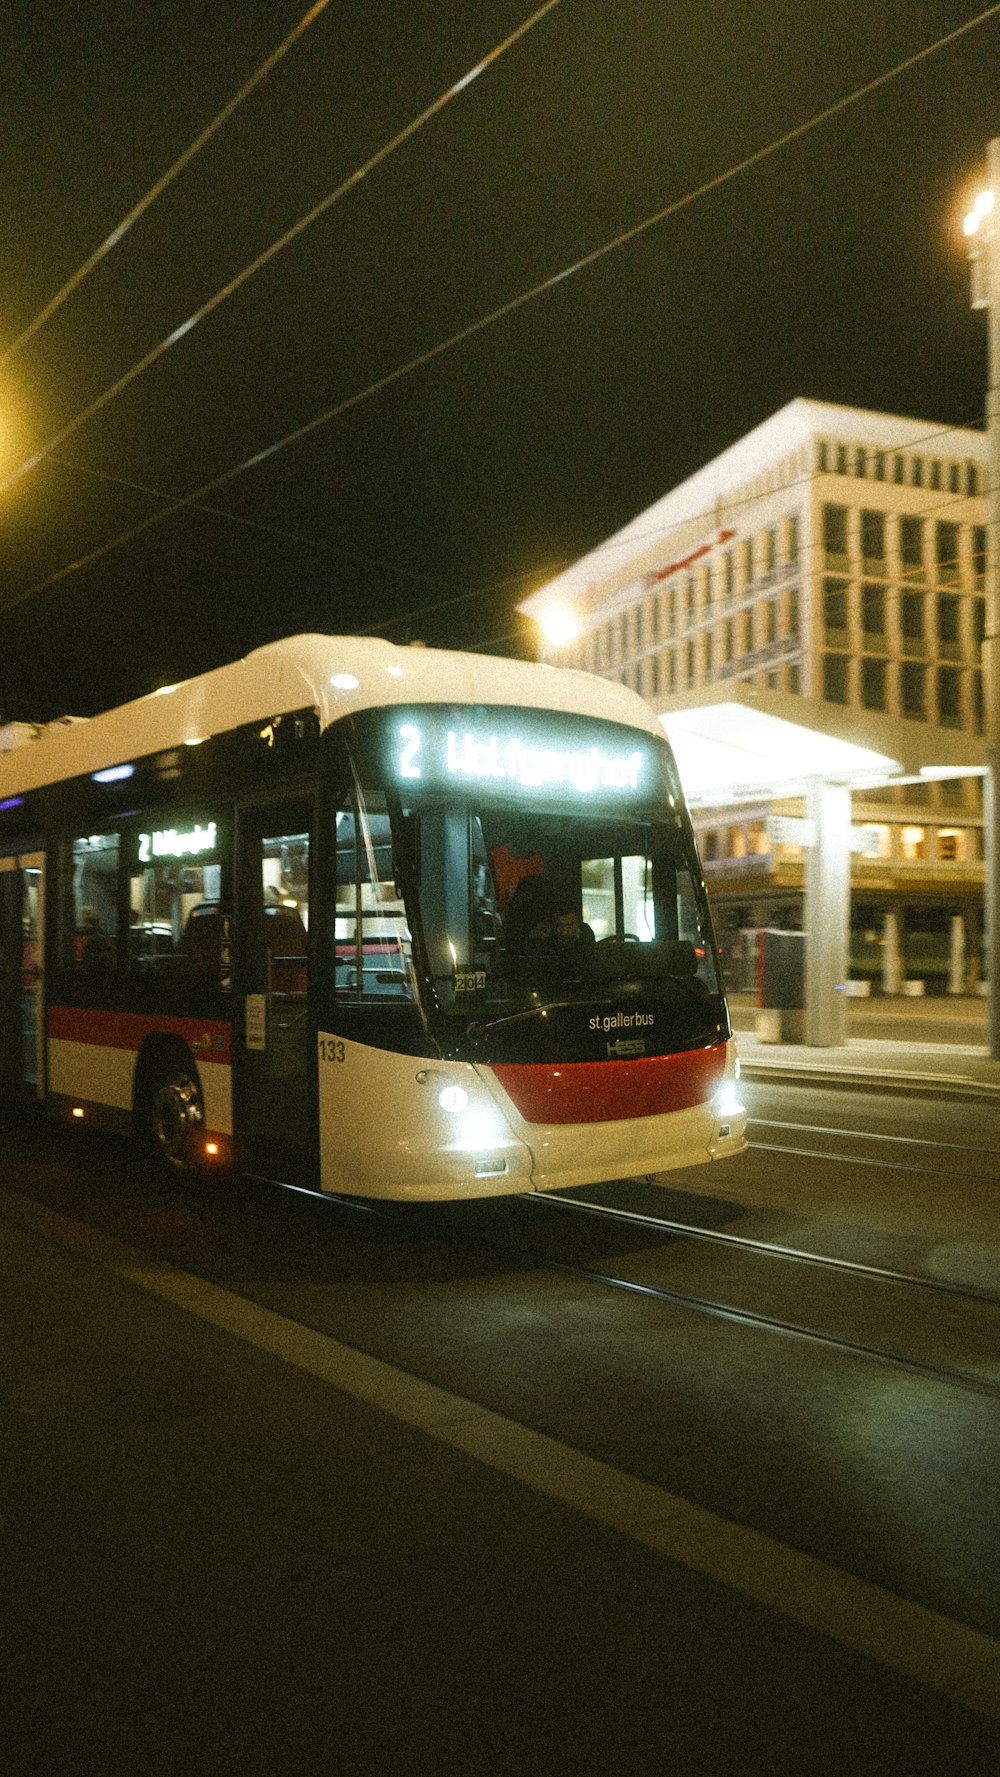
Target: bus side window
[173, 915]
[371, 936]
[89, 906]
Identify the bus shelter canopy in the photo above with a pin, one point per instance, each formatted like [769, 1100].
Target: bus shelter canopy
[740, 743]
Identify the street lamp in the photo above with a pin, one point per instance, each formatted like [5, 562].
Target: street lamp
[982, 228]
[558, 625]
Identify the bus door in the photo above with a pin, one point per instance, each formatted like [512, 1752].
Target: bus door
[274, 1060]
[22, 956]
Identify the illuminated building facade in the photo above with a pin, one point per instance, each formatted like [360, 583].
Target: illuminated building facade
[838, 554]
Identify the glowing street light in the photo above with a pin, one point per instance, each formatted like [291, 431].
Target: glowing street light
[558, 625]
[983, 234]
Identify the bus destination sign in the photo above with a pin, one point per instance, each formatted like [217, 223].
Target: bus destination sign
[503, 757]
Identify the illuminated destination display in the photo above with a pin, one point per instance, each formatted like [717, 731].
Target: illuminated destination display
[169, 843]
[440, 753]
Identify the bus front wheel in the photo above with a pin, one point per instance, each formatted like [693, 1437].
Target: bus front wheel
[171, 1113]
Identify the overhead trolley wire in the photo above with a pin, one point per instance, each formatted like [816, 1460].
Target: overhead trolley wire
[159, 186]
[278, 246]
[723, 506]
[728, 506]
[226, 476]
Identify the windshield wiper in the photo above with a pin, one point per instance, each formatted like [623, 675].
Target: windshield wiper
[481, 1028]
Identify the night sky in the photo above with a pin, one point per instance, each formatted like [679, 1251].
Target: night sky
[834, 269]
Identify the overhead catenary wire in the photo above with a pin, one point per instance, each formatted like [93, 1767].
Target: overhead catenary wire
[513, 304]
[271, 252]
[713, 611]
[160, 185]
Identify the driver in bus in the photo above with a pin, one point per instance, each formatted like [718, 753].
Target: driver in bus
[543, 923]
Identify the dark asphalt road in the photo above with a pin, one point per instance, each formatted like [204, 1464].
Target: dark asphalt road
[221, 1558]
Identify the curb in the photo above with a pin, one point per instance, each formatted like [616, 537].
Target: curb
[949, 1086]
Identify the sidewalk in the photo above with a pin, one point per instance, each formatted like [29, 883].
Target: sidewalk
[936, 1045]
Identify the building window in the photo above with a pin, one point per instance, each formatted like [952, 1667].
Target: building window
[911, 545]
[936, 476]
[954, 480]
[835, 611]
[947, 621]
[879, 465]
[860, 462]
[727, 641]
[795, 677]
[728, 576]
[771, 621]
[873, 610]
[873, 684]
[748, 562]
[757, 840]
[898, 474]
[978, 713]
[822, 457]
[913, 843]
[971, 480]
[951, 845]
[878, 840]
[949, 689]
[946, 544]
[911, 615]
[793, 611]
[916, 472]
[793, 536]
[913, 689]
[710, 845]
[873, 536]
[835, 532]
[770, 549]
[835, 677]
[979, 553]
[736, 842]
[841, 459]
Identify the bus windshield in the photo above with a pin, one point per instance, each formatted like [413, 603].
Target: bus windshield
[516, 910]
[552, 865]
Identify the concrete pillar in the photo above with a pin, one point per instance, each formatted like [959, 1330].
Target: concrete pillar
[891, 969]
[956, 955]
[827, 913]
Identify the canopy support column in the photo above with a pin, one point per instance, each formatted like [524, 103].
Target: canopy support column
[827, 913]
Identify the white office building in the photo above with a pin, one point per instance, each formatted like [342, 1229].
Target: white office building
[838, 554]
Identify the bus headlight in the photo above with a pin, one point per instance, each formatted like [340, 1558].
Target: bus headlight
[453, 1098]
[480, 1128]
[727, 1101]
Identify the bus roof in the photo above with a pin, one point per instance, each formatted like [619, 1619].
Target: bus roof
[335, 675]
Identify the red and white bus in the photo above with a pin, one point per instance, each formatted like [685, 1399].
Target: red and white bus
[389, 922]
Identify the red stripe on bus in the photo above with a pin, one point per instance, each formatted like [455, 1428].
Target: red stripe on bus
[208, 1039]
[606, 1091]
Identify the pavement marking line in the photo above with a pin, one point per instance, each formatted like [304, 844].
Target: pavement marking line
[959, 1662]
